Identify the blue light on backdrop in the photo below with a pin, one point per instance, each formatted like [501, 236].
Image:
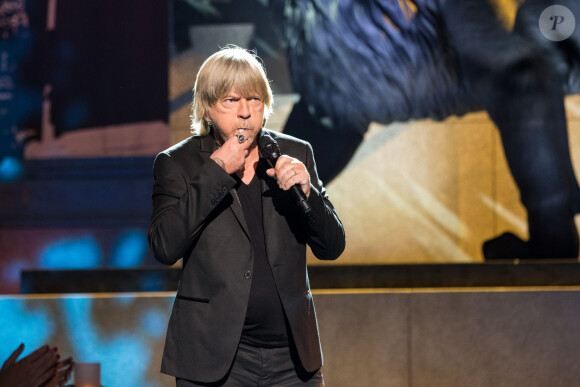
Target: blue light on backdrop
[10, 168]
[154, 321]
[77, 253]
[130, 250]
[21, 324]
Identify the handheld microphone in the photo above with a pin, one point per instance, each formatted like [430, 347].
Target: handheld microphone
[270, 151]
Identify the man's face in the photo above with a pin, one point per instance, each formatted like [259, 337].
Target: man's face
[236, 114]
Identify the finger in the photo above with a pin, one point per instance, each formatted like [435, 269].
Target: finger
[53, 382]
[288, 176]
[47, 361]
[68, 374]
[293, 180]
[284, 177]
[68, 370]
[65, 365]
[271, 172]
[286, 167]
[301, 177]
[63, 373]
[60, 377]
[44, 377]
[246, 144]
[244, 147]
[16, 353]
[231, 140]
[232, 144]
[36, 355]
[282, 163]
[234, 140]
[12, 358]
[66, 362]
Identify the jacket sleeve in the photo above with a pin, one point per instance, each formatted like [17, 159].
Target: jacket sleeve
[325, 233]
[182, 203]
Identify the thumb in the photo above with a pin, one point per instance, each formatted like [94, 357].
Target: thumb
[271, 172]
[12, 358]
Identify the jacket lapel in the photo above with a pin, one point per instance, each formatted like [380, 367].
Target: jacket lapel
[236, 208]
[208, 145]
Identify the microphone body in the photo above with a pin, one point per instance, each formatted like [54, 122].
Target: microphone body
[270, 151]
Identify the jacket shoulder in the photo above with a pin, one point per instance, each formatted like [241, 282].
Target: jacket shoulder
[182, 155]
[187, 146]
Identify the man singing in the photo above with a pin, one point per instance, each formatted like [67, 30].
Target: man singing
[243, 314]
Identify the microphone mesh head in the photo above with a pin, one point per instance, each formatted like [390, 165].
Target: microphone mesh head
[269, 148]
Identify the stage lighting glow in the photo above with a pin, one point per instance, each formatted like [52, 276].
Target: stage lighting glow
[10, 169]
[80, 253]
[130, 250]
[154, 322]
[39, 327]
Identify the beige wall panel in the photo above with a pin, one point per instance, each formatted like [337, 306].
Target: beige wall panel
[364, 339]
[511, 339]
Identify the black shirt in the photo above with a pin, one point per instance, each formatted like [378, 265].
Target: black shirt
[264, 325]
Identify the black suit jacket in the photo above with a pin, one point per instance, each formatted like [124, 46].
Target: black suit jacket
[197, 216]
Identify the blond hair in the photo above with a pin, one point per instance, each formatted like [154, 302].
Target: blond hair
[232, 66]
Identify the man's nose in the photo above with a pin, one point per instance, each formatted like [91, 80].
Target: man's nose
[244, 109]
